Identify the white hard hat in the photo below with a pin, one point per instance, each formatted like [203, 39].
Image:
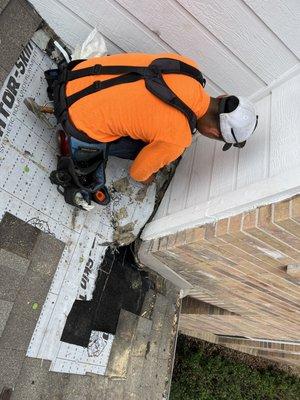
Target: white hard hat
[237, 120]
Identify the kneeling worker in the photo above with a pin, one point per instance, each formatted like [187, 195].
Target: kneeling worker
[143, 107]
[140, 126]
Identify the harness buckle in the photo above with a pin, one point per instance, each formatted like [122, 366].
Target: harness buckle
[152, 72]
[97, 69]
[156, 71]
[97, 85]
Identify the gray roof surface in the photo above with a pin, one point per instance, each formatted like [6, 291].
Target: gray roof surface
[18, 22]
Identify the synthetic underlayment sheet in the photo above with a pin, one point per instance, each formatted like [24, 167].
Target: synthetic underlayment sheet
[27, 156]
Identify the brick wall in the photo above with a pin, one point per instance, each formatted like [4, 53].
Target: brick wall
[240, 264]
[190, 305]
[280, 352]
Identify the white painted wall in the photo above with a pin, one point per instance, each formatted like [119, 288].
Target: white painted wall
[249, 47]
[236, 42]
[210, 184]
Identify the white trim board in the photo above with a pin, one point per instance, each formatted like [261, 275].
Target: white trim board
[149, 260]
[260, 193]
[261, 93]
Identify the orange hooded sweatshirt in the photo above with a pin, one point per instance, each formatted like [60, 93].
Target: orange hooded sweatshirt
[131, 110]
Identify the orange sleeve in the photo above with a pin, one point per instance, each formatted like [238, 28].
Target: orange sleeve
[152, 158]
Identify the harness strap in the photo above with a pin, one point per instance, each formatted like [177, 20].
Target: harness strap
[98, 69]
[74, 132]
[98, 85]
[171, 66]
[158, 87]
[165, 65]
[153, 80]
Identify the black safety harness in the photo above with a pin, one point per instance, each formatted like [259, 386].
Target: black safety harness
[154, 82]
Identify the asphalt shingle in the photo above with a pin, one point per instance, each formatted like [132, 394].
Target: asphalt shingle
[3, 4]
[5, 309]
[10, 282]
[10, 366]
[17, 236]
[25, 312]
[36, 383]
[3, 75]
[13, 261]
[18, 22]
[46, 255]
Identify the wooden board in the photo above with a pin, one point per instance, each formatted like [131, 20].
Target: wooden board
[224, 171]
[238, 44]
[125, 30]
[267, 191]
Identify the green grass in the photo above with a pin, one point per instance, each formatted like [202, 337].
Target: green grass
[201, 376]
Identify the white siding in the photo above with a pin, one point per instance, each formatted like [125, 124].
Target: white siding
[282, 17]
[254, 162]
[285, 127]
[210, 184]
[68, 25]
[236, 43]
[184, 34]
[248, 47]
[239, 29]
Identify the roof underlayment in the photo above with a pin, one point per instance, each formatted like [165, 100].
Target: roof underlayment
[27, 156]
